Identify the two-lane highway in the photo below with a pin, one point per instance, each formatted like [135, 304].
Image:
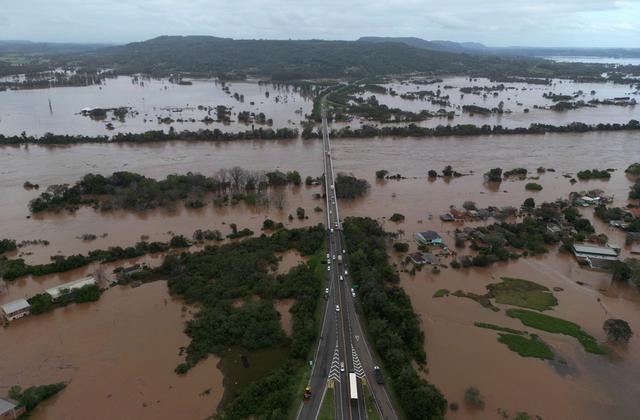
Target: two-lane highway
[343, 363]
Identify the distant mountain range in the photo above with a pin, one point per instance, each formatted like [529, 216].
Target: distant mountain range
[478, 48]
[300, 59]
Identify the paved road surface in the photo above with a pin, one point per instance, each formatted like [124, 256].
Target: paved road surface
[343, 348]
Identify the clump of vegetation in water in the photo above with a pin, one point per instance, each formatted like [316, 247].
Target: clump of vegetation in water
[401, 246]
[7, 245]
[520, 173]
[500, 241]
[494, 175]
[441, 293]
[634, 194]
[557, 325]
[380, 174]
[448, 171]
[394, 325]
[397, 217]
[594, 174]
[633, 169]
[219, 275]
[11, 269]
[30, 398]
[533, 186]
[348, 186]
[618, 330]
[473, 397]
[627, 270]
[128, 190]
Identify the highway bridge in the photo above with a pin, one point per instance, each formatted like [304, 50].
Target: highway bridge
[343, 363]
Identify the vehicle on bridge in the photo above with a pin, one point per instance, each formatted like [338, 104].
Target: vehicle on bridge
[377, 374]
[353, 386]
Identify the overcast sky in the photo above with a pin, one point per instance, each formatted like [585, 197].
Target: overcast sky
[582, 23]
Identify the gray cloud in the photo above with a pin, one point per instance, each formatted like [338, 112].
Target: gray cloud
[493, 22]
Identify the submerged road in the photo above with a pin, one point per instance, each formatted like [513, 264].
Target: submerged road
[343, 364]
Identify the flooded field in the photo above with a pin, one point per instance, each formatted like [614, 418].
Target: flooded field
[459, 354]
[157, 104]
[516, 98]
[118, 354]
[58, 110]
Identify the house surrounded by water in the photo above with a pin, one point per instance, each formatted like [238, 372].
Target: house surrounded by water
[429, 237]
[595, 256]
[14, 310]
[57, 291]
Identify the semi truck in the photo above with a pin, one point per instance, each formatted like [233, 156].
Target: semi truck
[353, 386]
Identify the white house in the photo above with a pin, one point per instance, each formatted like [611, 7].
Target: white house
[16, 309]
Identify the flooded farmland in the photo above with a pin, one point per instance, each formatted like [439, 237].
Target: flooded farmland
[128, 325]
[155, 104]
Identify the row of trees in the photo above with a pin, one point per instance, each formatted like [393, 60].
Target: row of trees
[413, 130]
[11, 269]
[155, 136]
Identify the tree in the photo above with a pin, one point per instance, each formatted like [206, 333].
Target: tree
[533, 186]
[447, 171]
[397, 217]
[268, 224]
[494, 175]
[620, 271]
[300, 213]
[432, 174]
[294, 177]
[473, 397]
[401, 246]
[7, 245]
[529, 203]
[237, 175]
[617, 330]
[381, 173]
[634, 194]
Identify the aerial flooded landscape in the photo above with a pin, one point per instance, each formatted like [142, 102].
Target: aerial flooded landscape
[280, 227]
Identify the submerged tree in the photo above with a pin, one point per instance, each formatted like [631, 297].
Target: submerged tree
[617, 330]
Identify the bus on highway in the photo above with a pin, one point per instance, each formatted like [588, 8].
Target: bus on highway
[353, 386]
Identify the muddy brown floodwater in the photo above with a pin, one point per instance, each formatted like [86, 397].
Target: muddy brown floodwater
[516, 97]
[29, 110]
[118, 355]
[459, 354]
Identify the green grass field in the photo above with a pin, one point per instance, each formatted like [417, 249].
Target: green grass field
[522, 293]
[559, 326]
[526, 346]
